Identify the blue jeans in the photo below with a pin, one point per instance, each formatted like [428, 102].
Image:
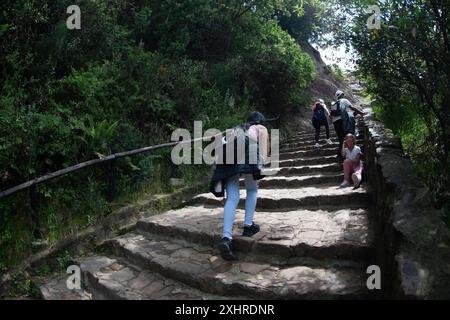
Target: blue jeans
[232, 189]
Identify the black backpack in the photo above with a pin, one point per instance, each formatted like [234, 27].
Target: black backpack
[348, 123]
[338, 111]
[233, 137]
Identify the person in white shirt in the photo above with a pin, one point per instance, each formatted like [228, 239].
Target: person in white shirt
[352, 163]
[341, 105]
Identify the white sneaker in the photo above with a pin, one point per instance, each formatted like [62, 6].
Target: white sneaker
[329, 141]
[356, 181]
[345, 184]
[317, 145]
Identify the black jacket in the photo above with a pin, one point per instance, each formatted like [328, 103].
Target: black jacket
[224, 171]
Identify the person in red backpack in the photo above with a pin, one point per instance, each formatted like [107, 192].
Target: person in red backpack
[320, 118]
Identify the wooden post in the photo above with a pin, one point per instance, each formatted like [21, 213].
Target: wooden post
[112, 180]
[34, 205]
[173, 170]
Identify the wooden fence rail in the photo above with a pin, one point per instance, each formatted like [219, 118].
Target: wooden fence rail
[93, 162]
[31, 185]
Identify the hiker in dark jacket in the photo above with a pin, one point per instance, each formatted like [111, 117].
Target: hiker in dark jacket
[320, 118]
[226, 176]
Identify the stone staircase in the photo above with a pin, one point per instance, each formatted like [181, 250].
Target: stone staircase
[315, 242]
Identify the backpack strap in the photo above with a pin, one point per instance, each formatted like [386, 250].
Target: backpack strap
[255, 126]
[338, 111]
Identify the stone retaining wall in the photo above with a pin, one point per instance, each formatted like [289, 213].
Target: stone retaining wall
[412, 241]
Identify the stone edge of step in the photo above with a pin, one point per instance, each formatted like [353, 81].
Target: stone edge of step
[102, 290]
[212, 283]
[360, 197]
[343, 250]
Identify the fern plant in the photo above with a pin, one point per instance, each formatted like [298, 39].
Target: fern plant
[98, 135]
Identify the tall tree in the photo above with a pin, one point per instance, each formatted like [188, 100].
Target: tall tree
[406, 63]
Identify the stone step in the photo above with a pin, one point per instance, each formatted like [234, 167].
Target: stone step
[308, 153]
[55, 288]
[310, 144]
[308, 161]
[309, 136]
[114, 279]
[307, 169]
[320, 234]
[307, 139]
[201, 268]
[286, 198]
[300, 181]
[310, 147]
[312, 134]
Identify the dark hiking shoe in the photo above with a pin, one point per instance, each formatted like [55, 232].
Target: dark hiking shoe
[225, 247]
[250, 231]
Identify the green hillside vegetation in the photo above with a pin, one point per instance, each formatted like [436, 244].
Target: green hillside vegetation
[134, 72]
[406, 67]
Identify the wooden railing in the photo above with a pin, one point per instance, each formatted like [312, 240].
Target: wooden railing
[86, 164]
[31, 184]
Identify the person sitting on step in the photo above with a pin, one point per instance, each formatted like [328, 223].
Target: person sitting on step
[320, 118]
[352, 163]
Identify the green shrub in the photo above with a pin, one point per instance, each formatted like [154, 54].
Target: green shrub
[134, 72]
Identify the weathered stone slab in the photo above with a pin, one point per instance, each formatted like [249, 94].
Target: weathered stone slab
[306, 169]
[308, 137]
[131, 283]
[307, 153]
[296, 198]
[300, 181]
[308, 161]
[56, 289]
[309, 147]
[253, 280]
[292, 143]
[334, 234]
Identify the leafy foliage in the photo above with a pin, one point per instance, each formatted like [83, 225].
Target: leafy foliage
[136, 70]
[406, 65]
